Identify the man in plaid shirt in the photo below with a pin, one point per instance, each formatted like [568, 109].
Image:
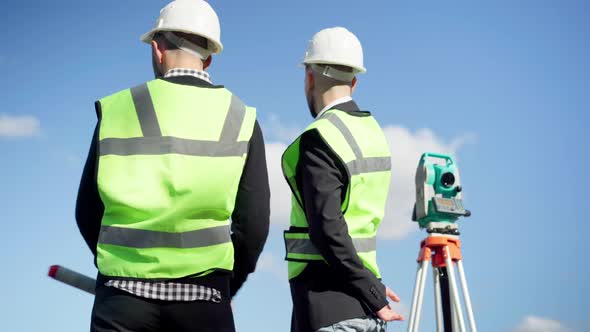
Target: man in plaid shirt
[141, 286]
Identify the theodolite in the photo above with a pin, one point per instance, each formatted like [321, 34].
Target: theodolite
[437, 209]
[438, 193]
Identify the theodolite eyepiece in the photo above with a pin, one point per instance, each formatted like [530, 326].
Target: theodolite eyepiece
[447, 180]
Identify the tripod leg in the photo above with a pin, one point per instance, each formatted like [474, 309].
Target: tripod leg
[468, 306]
[454, 319]
[421, 294]
[446, 300]
[454, 291]
[415, 299]
[418, 296]
[437, 300]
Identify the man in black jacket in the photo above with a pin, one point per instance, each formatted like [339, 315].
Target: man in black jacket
[338, 171]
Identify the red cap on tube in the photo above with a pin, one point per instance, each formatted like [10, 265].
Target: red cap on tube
[53, 270]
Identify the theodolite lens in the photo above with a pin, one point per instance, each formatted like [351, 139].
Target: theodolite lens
[448, 179]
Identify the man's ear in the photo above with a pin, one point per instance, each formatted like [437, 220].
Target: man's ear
[353, 85]
[309, 80]
[158, 51]
[207, 62]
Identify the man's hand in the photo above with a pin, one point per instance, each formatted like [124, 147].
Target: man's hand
[386, 313]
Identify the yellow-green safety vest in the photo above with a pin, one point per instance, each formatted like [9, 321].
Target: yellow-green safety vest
[170, 159]
[361, 145]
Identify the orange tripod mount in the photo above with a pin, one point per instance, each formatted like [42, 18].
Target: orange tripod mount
[432, 249]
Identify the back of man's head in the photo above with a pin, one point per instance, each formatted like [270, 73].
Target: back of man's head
[324, 81]
[179, 50]
[170, 42]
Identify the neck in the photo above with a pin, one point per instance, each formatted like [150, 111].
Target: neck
[182, 62]
[329, 97]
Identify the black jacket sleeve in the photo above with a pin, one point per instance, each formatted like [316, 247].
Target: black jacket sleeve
[250, 219]
[89, 206]
[324, 181]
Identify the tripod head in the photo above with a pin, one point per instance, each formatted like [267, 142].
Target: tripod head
[438, 193]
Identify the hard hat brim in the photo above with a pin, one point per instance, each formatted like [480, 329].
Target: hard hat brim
[357, 69]
[148, 36]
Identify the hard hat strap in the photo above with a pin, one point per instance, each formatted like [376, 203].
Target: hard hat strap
[332, 72]
[186, 45]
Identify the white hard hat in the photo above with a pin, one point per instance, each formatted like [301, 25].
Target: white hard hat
[335, 46]
[189, 16]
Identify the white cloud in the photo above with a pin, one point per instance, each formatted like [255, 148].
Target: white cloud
[282, 132]
[540, 324]
[406, 149]
[280, 199]
[269, 263]
[19, 126]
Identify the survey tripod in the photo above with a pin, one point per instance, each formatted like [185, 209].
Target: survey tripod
[438, 207]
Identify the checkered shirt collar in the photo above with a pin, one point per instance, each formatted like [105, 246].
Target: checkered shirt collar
[203, 75]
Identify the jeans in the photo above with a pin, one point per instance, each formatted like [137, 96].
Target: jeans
[367, 324]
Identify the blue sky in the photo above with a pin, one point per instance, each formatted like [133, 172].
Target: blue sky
[503, 85]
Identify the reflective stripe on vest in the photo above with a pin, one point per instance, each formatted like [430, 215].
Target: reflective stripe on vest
[299, 244]
[360, 164]
[153, 143]
[141, 238]
[170, 161]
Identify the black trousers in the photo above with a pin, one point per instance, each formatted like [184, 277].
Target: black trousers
[118, 311]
